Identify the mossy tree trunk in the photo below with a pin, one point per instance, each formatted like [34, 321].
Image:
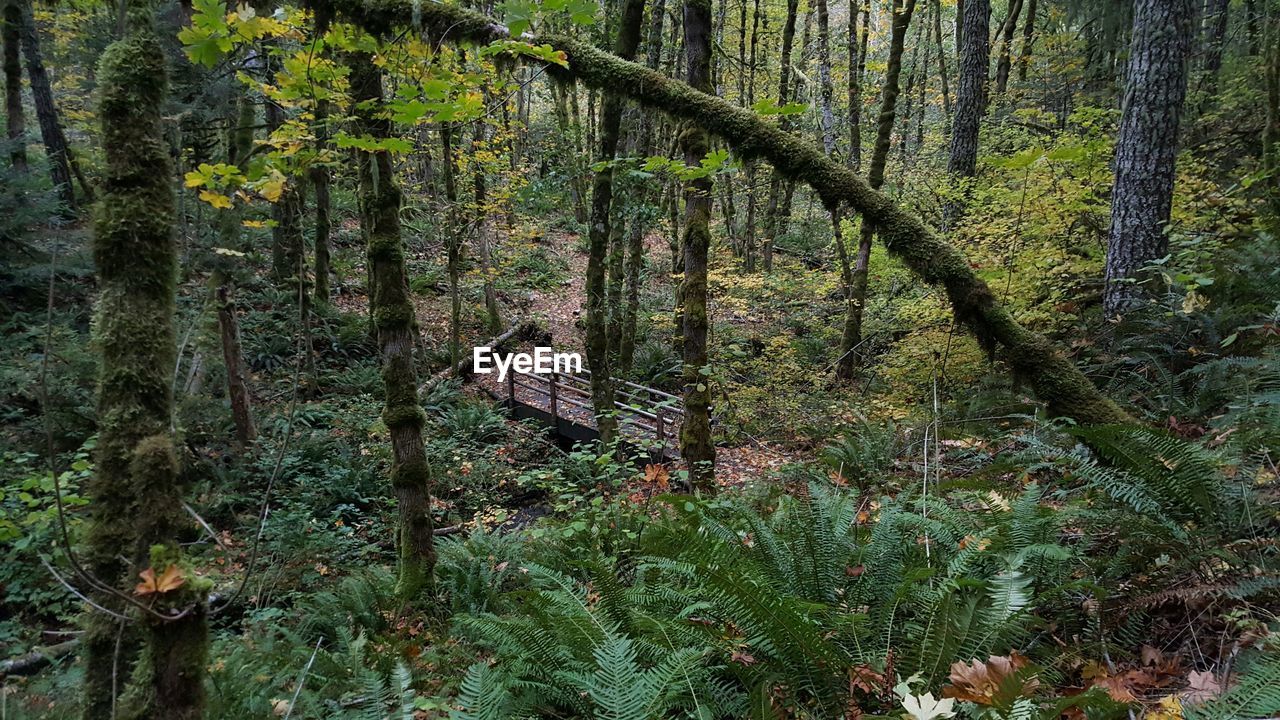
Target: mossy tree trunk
[601, 232]
[15, 116]
[696, 448]
[1030, 356]
[393, 319]
[851, 335]
[857, 55]
[233, 358]
[971, 91]
[136, 504]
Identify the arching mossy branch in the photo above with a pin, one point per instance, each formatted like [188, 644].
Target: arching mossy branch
[1033, 358]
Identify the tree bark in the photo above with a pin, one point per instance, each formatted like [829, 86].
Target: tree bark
[55, 141]
[600, 233]
[696, 448]
[15, 116]
[136, 509]
[1146, 149]
[856, 292]
[1031, 357]
[971, 91]
[1007, 30]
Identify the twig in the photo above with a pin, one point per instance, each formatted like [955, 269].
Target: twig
[302, 679]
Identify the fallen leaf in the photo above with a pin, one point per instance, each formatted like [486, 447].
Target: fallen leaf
[1201, 686]
[171, 579]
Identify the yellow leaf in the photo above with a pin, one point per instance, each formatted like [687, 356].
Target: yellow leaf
[272, 190]
[194, 179]
[254, 223]
[217, 200]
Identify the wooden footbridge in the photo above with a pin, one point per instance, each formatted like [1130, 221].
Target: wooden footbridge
[648, 419]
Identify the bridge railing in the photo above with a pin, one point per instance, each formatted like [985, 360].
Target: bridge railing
[651, 412]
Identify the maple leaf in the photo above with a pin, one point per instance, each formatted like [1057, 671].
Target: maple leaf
[657, 475]
[743, 658]
[984, 683]
[925, 707]
[171, 579]
[1201, 686]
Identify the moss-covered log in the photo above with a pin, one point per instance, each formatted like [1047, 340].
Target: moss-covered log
[136, 509]
[393, 319]
[1032, 357]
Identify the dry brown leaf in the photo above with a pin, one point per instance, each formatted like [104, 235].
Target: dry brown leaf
[980, 682]
[171, 579]
[1201, 686]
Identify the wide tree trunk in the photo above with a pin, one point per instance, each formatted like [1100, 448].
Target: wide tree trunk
[393, 319]
[851, 335]
[136, 511]
[601, 232]
[1147, 146]
[1007, 30]
[696, 448]
[15, 116]
[1034, 359]
[55, 140]
[971, 93]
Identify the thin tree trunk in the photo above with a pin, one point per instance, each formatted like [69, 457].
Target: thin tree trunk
[1216, 17]
[640, 223]
[320, 179]
[393, 317]
[15, 116]
[1146, 148]
[484, 225]
[942, 60]
[753, 166]
[1007, 31]
[453, 243]
[1028, 39]
[773, 214]
[857, 294]
[696, 448]
[55, 141]
[136, 505]
[601, 232]
[233, 357]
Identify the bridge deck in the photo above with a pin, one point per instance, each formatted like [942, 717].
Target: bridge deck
[647, 417]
